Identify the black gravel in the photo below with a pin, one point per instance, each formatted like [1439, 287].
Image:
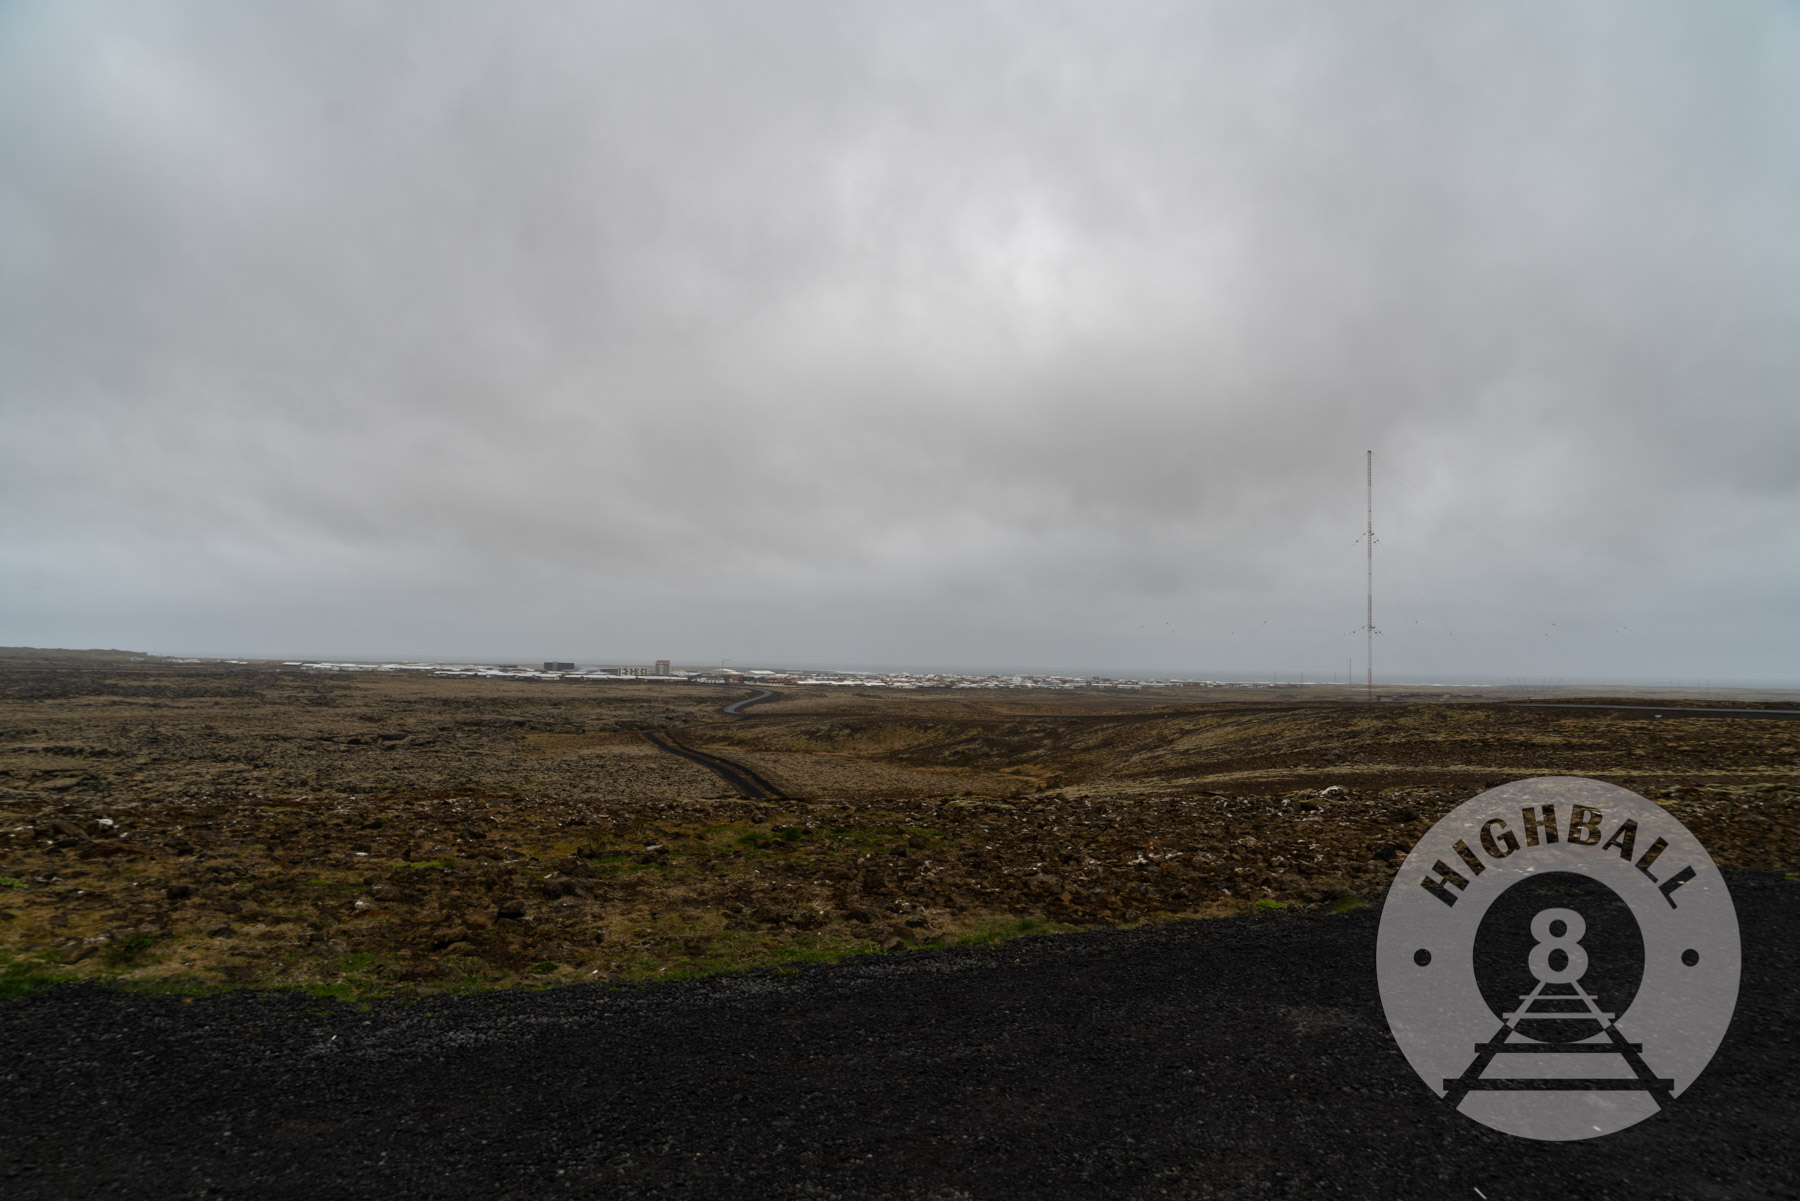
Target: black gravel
[1243, 1058]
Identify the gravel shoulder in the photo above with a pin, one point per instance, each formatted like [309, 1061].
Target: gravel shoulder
[1244, 1057]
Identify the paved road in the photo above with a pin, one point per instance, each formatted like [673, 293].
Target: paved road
[1674, 710]
[1228, 1059]
[736, 708]
[745, 780]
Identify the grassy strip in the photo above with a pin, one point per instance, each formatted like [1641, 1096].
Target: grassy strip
[359, 978]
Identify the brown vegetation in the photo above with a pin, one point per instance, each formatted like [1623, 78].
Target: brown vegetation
[204, 824]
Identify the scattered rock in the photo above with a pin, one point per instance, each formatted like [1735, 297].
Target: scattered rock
[988, 858]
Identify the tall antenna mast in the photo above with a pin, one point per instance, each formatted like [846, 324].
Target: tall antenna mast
[1369, 629]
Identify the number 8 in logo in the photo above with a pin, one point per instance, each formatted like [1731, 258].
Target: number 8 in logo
[1552, 941]
[1558, 990]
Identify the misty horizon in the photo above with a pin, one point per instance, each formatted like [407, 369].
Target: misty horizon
[1091, 672]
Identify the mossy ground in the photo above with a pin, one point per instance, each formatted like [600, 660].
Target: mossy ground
[185, 828]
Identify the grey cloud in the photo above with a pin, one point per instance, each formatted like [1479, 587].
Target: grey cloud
[1034, 334]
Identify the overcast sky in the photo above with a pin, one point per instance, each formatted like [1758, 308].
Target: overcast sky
[1032, 335]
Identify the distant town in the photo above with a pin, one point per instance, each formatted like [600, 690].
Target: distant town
[661, 671]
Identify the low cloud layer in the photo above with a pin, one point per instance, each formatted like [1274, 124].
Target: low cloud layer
[1029, 335]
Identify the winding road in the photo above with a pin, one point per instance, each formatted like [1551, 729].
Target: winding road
[736, 708]
[745, 780]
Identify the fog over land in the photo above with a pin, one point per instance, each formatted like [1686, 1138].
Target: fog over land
[1013, 334]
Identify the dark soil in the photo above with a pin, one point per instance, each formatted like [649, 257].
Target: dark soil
[1245, 1057]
